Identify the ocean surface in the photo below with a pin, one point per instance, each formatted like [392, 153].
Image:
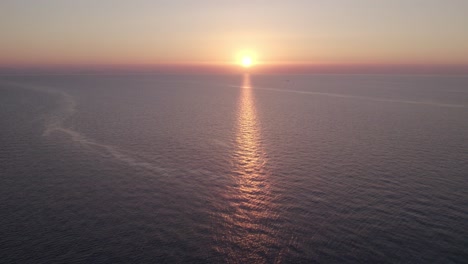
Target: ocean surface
[233, 169]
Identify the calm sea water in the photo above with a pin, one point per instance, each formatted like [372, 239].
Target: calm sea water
[233, 169]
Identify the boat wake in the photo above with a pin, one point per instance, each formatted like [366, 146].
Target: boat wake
[55, 123]
[367, 98]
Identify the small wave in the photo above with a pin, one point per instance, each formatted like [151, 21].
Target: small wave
[220, 143]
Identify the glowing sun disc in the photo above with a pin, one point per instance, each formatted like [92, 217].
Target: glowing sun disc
[246, 61]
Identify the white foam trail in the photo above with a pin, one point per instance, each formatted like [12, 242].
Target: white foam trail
[112, 151]
[67, 109]
[430, 103]
[67, 106]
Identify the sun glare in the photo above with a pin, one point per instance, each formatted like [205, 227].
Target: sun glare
[246, 61]
[246, 58]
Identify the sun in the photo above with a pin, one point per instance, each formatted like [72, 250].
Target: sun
[246, 61]
[246, 58]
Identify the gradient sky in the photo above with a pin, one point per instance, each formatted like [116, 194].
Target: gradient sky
[215, 31]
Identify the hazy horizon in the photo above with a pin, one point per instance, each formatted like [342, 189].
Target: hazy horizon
[230, 69]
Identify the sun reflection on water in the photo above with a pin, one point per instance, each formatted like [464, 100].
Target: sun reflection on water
[250, 234]
[249, 156]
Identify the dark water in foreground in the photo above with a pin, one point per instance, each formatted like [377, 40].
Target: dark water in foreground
[234, 169]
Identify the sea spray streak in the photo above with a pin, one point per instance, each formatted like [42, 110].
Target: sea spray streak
[361, 97]
[67, 109]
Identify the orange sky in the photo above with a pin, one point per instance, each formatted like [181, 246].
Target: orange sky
[360, 32]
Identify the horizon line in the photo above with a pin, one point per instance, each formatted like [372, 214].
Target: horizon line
[259, 68]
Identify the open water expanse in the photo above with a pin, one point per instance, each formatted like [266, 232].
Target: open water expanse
[233, 169]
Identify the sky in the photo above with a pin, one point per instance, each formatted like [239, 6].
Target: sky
[273, 32]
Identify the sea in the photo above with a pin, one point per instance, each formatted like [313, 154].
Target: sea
[246, 168]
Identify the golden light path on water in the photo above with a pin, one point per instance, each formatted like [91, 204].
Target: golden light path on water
[250, 224]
